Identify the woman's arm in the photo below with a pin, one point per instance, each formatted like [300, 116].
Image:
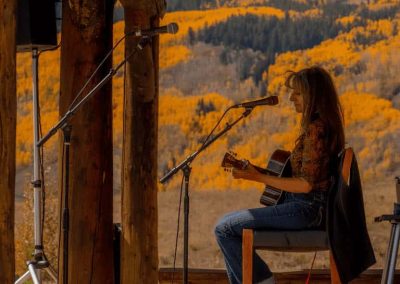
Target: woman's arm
[297, 185]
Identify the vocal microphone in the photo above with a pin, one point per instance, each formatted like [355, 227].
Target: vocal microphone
[271, 101]
[171, 28]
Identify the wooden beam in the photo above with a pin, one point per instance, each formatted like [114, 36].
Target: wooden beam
[86, 39]
[151, 8]
[139, 244]
[8, 118]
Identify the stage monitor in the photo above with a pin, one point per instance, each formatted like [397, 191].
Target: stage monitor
[36, 25]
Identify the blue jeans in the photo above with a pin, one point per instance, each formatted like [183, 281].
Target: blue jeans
[297, 211]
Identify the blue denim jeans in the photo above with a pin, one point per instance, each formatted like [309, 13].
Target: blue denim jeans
[297, 211]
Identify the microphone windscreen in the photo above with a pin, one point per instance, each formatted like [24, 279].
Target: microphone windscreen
[172, 28]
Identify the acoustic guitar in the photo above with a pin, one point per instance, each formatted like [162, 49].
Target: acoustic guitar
[278, 165]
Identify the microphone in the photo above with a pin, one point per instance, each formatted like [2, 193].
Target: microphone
[171, 28]
[270, 101]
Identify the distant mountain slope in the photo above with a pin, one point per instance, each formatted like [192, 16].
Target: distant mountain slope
[297, 31]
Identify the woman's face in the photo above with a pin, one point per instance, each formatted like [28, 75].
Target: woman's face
[297, 98]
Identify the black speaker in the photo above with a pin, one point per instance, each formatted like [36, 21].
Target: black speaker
[36, 25]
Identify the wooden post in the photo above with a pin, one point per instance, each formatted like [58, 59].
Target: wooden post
[335, 278]
[139, 182]
[86, 39]
[247, 256]
[8, 118]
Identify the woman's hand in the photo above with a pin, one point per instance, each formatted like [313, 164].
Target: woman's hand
[250, 173]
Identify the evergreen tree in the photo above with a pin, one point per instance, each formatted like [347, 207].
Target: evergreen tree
[269, 35]
[191, 36]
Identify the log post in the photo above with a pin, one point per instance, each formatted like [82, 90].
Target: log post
[86, 39]
[8, 118]
[139, 179]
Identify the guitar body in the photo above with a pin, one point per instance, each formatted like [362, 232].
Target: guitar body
[278, 165]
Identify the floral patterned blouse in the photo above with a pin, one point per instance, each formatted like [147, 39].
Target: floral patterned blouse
[310, 156]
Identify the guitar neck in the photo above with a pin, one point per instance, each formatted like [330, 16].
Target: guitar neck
[262, 170]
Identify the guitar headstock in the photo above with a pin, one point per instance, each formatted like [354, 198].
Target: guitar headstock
[230, 160]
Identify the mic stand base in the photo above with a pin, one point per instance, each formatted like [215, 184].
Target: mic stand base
[38, 262]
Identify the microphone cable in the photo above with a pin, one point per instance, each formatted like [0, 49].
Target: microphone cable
[94, 73]
[215, 127]
[50, 49]
[97, 69]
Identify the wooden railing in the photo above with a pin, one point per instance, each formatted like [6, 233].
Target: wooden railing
[218, 276]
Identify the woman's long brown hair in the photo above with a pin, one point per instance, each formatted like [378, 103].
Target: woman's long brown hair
[320, 98]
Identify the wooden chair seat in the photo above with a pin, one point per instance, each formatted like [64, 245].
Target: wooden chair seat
[290, 241]
[300, 241]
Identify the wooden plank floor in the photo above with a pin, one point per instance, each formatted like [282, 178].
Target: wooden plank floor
[218, 276]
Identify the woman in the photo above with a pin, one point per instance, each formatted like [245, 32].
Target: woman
[313, 161]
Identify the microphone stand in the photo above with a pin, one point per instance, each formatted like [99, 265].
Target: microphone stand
[186, 169]
[63, 124]
[39, 260]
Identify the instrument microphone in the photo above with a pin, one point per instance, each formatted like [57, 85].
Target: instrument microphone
[171, 28]
[271, 101]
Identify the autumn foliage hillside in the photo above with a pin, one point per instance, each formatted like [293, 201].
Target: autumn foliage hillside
[364, 73]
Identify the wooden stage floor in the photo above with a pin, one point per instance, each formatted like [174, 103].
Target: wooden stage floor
[318, 276]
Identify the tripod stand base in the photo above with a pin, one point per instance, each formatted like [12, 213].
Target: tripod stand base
[393, 246]
[391, 256]
[33, 269]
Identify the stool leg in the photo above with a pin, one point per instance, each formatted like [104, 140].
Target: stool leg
[247, 256]
[335, 279]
